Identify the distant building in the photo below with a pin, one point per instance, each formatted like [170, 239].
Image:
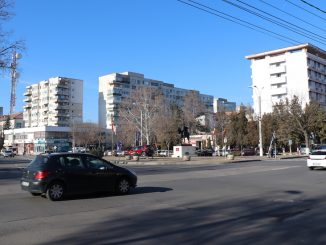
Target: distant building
[37, 140]
[57, 101]
[16, 121]
[113, 88]
[1, 111]
[223, 104]
[279, 74]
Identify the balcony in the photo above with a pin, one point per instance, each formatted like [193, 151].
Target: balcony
[277, 69]
[277, 59]
[28, 92]
[279, 91]
[63, 85]
[28, 99]
[278, 80]
[28, 106]
[61, 92]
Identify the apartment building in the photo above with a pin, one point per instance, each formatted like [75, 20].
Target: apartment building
[113, 88]
[278, 74]
[57, 101]
[223, 104]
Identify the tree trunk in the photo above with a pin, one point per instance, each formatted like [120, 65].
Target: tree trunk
[306, 138]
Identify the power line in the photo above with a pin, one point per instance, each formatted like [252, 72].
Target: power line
[302, 20]
[313, 6]
[241, 22]
[305, 10]
[280, 22]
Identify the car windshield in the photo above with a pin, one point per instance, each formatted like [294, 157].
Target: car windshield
[39, 161]
[318, 153]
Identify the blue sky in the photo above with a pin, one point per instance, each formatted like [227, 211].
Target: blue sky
[163, 39]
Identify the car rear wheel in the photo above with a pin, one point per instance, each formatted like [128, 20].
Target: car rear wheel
[311, 168]
[123, 186]
[55, 191]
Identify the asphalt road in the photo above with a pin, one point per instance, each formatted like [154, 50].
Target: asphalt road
[264, 202]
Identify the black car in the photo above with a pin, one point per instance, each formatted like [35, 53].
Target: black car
[57, 174]
[204, 152]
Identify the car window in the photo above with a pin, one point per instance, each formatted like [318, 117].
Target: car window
[73, 162]
[318, 153]
[39, 161]
[95, 163]
[63, 161]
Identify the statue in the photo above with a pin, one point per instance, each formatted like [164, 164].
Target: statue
[184, 133]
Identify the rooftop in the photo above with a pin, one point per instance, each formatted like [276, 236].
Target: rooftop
[309, 47]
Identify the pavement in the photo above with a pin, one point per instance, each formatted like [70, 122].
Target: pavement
[20, 161]
[195, 160]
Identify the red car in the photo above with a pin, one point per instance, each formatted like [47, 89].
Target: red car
[145, 150]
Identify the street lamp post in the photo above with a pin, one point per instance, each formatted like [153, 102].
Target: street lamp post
[261, 153]
[141, 127]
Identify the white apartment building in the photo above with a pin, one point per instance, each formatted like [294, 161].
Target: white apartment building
[57, 101]
[278, 74]
[116, 86]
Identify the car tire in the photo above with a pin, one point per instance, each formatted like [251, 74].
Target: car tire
[123, 186]
[311, 168]
[55, 191]
[143, 154]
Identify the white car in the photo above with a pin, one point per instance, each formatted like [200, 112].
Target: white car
[8, 154]
[316, 159]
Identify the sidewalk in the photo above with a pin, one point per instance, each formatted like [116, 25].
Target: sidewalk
[173, 161]
[194, 160]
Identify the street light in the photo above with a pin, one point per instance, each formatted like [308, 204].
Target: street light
[261, 153]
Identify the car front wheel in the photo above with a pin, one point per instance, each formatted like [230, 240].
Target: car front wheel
[55, 191]
[123, 186]
[311, 168]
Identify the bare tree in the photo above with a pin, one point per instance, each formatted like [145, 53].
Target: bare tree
[167, 124]
[221, 123]
[141, 110]
[86, 134]
[6, 45]
[192, 108]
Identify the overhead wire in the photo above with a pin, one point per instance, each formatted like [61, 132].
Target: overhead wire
[287, 13]
[239, 21]
[298, 6]
[313, 6]
[278, 21]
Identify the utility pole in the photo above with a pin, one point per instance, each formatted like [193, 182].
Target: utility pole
[261, 153]
[112, 130]
[14, 80]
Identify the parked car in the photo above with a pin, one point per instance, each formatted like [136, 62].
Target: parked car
[317, 159]
[304, 150]
[204, 152]
[8, 153]
[144, 150]
[59, 174]
[164, 153]
[248, 152]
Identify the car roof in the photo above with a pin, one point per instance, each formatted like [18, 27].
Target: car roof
[66, 154]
